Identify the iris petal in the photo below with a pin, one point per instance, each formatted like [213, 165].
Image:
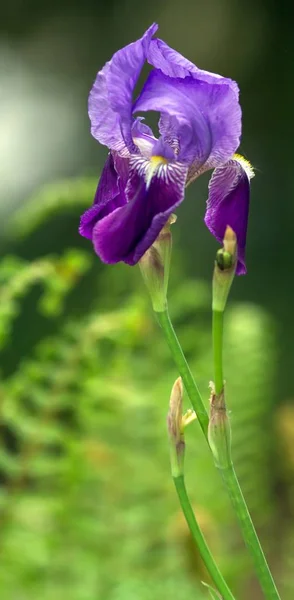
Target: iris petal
[109, 194]
[144, 179]
[110, 100]
[228, 204]
[143, 137]
[126, 233]
[173, 64]
[204, 118]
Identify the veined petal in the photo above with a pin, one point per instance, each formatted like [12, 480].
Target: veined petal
[109, 194]
[204, 118]
[173, 64]
[110, 100]
[143, 137]
[126, 233]
[228, 203]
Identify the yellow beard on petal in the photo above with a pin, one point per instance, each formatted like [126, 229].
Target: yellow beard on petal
[247, 166]
[155, 163]
[158, 160]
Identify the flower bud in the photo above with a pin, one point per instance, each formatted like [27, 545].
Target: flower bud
[176, 423]
[174, 428]
[155, 264]
[224, 270]
[219, 430]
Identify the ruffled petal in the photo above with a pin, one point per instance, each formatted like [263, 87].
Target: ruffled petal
[109, 194]
[110, 100]
[173, 64]
[228, 203]
[202, 119]
[126, 233]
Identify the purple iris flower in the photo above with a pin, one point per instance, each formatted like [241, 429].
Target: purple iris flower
[144, 178]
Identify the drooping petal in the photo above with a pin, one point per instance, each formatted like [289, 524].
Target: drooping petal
[109, 194]
[173, 64]
[126, 233]
[110, 100]
[228, 203]
[204, 118]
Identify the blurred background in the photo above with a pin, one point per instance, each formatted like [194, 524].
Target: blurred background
[87, 505]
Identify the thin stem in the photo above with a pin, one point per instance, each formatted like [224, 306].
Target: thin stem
[229, 475]
[184, 370]
[217, 332]
[249, 534]
[231, 481]
[199, 540]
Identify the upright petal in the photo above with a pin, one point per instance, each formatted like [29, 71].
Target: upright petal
[110, 100]
[126, 233]
[109, 194]
[173, 64]
[143, 137]
[204, 117]
[228, 203]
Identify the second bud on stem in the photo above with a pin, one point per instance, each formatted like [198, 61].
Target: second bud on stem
[176, 423]
[219, 430]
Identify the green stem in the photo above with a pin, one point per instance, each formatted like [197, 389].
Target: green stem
[231, 481]
[217, 329]
[184, 370]
[199, 540]
[228, 475]
[250, 536]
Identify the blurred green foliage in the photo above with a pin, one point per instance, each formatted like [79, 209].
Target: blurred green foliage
[88, 509]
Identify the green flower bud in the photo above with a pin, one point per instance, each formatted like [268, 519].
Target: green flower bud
[175, 430]
[155, 264]
[219, 430]
[176, 423]
[224, 260]
[224, 270]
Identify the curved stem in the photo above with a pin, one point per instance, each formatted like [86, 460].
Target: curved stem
[199, 540]
[231, 481]
[229, 476]
[184, 369]
[249, 534]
